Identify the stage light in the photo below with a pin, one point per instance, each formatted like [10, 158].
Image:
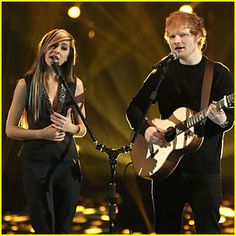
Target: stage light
[80, 208]
[227, 211]
[105, 217]
[7, 218]
[125, 231]
[79, 219]
[17, 218]
[93, 230]
[102, 208]
[191, 222]
[91, 34]
[222, 220]
[89, 211]
[186, 8]
[74, 12]
[14, 228]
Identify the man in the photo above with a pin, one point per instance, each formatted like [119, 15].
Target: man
[196, 180]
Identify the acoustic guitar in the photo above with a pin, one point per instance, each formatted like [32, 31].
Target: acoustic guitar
[151, 161]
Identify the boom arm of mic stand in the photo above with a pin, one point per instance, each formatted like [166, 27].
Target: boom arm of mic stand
[61, 77]
[152, 98]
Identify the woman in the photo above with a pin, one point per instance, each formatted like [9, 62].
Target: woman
[50, 159]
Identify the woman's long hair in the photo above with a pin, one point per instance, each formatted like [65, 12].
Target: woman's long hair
[39, 67]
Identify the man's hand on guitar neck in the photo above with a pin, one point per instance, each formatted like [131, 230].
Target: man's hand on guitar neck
[216, 114]
[156, 136]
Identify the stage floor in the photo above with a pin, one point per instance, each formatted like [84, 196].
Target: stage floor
[92, 218]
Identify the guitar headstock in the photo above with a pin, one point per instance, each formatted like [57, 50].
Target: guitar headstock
[227, 101]
[230, 100]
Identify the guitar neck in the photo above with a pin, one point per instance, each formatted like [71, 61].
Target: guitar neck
[190, 122]
[202, 115]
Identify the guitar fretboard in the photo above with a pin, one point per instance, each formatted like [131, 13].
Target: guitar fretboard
[202, 115]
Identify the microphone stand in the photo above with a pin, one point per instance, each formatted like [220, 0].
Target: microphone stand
[152, 97]
[111, 152]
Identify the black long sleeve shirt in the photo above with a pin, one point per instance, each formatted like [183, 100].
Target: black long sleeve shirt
[181, 87]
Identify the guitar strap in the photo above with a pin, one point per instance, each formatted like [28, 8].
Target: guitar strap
[206, 84]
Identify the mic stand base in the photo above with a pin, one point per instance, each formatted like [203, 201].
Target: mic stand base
[112, 154]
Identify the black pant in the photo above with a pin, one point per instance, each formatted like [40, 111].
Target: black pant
[202, 192]
[52, 191]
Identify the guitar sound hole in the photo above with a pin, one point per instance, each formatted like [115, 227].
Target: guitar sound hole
[170, 134]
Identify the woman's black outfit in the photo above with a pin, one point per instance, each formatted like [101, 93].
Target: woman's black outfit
[197, 178]
[51, 171]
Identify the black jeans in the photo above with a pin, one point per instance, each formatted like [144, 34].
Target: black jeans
[202, 192]
[52, 191]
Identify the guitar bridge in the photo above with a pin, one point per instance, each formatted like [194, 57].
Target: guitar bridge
[188, 133]
[151, 150]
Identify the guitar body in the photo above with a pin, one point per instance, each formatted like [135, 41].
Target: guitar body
[161, 162]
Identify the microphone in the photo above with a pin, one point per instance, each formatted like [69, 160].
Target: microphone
[56, 67]
[166, 60]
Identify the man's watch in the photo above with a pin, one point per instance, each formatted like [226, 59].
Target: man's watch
[225, 124]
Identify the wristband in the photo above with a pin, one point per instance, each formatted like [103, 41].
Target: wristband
[225, 124]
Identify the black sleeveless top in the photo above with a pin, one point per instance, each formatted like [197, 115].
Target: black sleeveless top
[44, 150]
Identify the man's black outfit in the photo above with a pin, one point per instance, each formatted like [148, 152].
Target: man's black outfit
[197, 179]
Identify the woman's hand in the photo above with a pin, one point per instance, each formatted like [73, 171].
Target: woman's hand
[52, 134]
[64, 123]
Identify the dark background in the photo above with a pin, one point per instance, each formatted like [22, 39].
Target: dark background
[128, 41]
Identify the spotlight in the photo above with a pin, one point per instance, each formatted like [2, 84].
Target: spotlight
[186, 8]
[74, 12]
[91, 34]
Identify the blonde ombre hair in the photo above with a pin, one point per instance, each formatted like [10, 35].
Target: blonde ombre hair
[39, 67]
